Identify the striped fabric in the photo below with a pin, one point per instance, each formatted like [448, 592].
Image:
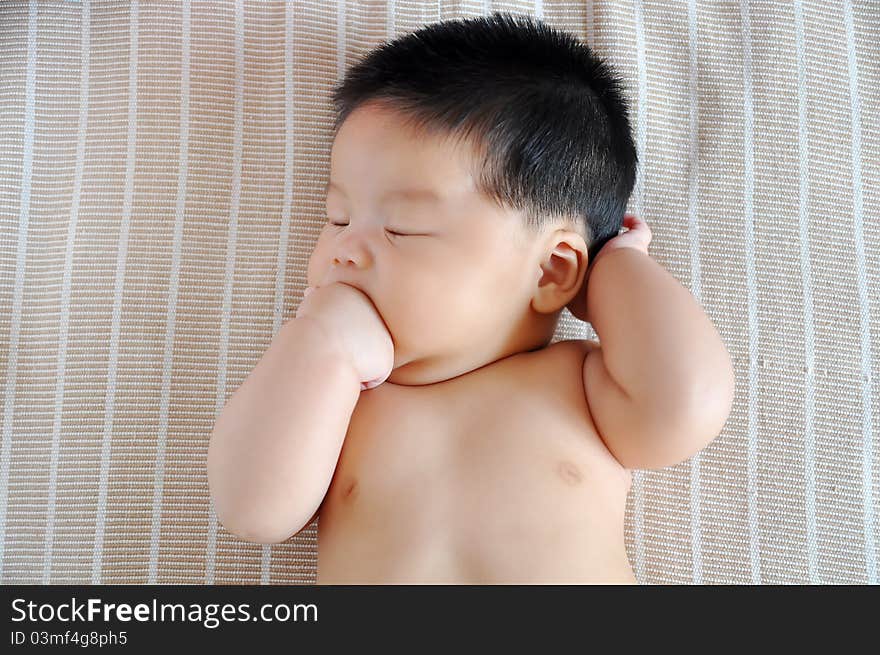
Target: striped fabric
[160, 193]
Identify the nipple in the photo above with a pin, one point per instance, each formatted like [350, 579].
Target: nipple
[569, 472]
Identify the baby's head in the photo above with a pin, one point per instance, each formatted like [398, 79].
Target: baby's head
[515, 142]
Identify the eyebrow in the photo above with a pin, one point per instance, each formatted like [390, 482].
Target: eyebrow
[412, 194]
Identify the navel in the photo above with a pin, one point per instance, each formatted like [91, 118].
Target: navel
[570, 473]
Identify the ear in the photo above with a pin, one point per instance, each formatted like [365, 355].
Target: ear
[563, 267]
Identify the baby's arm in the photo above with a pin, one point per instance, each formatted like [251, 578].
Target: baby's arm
[661, 385]
[276, 443]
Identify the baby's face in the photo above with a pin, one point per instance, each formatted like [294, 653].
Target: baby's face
[455, 283]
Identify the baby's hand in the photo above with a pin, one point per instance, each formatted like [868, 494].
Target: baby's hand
[350, 317]
[638, 236]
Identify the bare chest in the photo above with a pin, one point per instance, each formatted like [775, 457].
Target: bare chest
[475, 479]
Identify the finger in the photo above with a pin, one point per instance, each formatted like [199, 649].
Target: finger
[634, 223]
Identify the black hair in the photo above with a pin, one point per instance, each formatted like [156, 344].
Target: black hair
[545, 117]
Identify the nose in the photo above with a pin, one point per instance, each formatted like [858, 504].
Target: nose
[349, 258]
[350, 250]
[348, 265]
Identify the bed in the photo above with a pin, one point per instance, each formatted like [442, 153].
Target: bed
[161, 190]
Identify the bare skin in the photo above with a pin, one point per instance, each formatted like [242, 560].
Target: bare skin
[416, 407]
[476, 461]
[494, 477]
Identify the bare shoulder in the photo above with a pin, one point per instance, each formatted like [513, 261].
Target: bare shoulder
[566, 361]
[571, 350]
[563, 358]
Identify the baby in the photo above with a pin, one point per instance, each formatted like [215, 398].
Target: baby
[415, 403]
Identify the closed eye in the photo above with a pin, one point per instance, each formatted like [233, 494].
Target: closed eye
[397, 234]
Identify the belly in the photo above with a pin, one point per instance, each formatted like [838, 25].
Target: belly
[514, 509]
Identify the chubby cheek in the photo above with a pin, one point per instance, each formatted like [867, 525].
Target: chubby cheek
[319, 263]
[427, 312]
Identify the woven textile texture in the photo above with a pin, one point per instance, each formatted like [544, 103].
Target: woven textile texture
[161, 188]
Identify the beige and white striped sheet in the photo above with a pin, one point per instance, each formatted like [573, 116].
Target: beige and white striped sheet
[160, 192]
